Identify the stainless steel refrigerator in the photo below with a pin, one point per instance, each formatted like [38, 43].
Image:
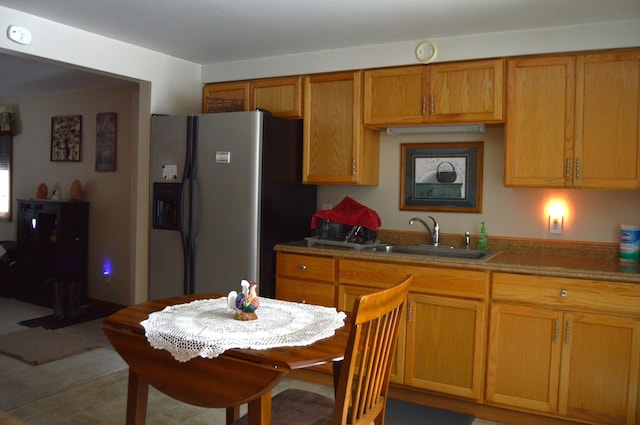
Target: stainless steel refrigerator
[225, 188]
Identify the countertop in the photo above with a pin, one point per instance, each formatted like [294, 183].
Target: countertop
[571, 266]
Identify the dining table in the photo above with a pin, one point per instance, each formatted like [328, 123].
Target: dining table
[234, 377]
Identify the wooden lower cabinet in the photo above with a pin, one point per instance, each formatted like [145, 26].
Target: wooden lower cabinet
[524, 355]
[547, 353]
[443, 338]
[524, 348]
[305, 278]
[446, 356]
[599, 368]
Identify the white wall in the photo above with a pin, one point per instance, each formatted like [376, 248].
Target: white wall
[513, 43]
[172, 86]
[593, 215]
[109, 193]
[167, 85]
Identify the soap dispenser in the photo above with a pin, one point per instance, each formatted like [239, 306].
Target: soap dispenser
[483, 238]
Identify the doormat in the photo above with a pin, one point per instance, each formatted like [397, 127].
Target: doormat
[50, 321]
[403, 413]
[37, 346]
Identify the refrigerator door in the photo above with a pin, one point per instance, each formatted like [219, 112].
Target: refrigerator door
[168, 149]
[226, 205]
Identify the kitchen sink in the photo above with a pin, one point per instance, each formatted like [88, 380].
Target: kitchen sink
[435, 251]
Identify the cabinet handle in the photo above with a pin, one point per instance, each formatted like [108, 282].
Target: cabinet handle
[433, 105]
[302, 267]
[567, 330]
[564, 293]
[578, 169]
[568, 169]
[424, 105]
[353, 167]
[555, 332]
[410, 312]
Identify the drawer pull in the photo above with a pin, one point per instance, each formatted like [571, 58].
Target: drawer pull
[302, 267]
[564, 293]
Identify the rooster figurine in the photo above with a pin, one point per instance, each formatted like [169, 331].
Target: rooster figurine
[246, 302]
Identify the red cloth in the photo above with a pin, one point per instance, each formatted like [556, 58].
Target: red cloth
[349, 212]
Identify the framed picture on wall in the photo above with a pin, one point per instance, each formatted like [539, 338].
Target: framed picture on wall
[66, 138]
[106, 126]
[441, 177]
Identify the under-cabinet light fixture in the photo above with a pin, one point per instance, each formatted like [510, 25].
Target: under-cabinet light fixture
[433, 129]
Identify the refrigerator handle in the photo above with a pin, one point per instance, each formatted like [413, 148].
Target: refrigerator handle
[191, 237]
[185, 228]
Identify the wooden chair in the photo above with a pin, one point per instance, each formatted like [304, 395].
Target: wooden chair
[363, 381]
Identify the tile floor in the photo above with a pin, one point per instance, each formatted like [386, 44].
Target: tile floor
[90, 388]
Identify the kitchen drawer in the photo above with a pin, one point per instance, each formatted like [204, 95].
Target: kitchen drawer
[306, 267]
[567, 293]
[428, 280]
[309, 292]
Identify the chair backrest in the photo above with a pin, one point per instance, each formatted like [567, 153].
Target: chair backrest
[361, 393]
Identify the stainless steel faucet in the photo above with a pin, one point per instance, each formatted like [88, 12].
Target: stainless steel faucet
[435, 233]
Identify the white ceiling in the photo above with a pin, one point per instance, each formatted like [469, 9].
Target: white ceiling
[212, 31]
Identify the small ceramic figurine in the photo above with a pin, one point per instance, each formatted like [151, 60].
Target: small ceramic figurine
[42, 192]
[76, 192]
[246, 302]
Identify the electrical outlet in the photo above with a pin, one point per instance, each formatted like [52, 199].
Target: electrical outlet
[555, 225]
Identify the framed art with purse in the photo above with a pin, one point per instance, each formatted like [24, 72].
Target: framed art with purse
[441, 176]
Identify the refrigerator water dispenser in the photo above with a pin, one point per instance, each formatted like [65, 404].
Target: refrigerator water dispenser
[166, 206]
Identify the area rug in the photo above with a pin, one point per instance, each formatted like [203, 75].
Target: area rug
[403, 413]
[37, 346]
[6, 419]
[50, 321]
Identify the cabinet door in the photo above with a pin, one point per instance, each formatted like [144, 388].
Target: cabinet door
[466, 91]
[225, 97]
[347, 295]
[446, 356]
[280, 96]
[607, 147]
[524, 357]
[395, 96]
[539, 124]
[599, 378]
[337, 148]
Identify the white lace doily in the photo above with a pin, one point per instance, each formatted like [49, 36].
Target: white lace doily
[206, 328]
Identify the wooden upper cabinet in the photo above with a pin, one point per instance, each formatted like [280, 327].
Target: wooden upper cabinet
[280, 96]
[539, 124]
[466, 91]
[607, 135]
[460, 92]
[225, 97]
[337, 147]
[573, 121]
[395, 95]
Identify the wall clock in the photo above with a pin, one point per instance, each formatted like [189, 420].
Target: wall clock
[426, 51]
